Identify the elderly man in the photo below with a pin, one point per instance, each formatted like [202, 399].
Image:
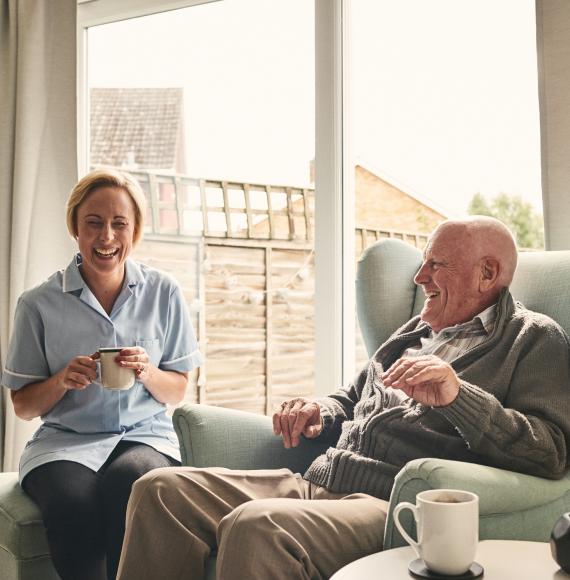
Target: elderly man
[476, 377]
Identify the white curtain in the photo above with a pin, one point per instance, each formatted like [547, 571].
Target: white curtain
[553, 43]
[38, 164]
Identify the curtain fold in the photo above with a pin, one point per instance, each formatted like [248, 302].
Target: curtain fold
[553, 47]
[38, 164]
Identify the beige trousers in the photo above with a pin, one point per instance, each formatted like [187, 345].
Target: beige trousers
[264, 524]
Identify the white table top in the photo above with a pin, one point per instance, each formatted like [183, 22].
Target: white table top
[501, 560]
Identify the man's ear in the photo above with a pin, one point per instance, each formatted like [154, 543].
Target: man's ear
[490, 269]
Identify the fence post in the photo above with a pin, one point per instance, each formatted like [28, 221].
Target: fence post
[306, 201]
[268, 330]
[204, 202]
[248, 210]
[290, 212]
[202, 339]
[270, 211]
[153, 186]
[180, 202]
[227, 209]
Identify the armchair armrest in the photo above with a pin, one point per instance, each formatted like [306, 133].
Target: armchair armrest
[511, 505]
[218, 437]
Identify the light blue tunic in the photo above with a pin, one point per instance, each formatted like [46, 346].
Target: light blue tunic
[61, 319]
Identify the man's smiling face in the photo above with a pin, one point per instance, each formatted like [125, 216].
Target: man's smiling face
[449, 277]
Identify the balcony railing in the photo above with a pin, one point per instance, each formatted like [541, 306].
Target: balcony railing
[187, 206]
[181, 205]
[368, 236]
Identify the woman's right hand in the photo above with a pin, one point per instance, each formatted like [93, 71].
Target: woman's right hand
[79, 372]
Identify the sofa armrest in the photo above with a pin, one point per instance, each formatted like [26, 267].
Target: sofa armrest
[505, 498]
[217, 437]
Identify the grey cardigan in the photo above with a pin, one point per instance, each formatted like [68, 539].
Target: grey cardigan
[512, 411]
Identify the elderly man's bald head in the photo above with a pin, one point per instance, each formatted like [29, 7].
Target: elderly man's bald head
[484, 237]
[466, 265]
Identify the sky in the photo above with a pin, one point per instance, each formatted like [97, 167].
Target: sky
[443, 93]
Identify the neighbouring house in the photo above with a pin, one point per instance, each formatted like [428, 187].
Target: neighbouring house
[138, 128]
[384, 204]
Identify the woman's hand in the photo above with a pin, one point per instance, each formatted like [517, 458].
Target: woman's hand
[166, 387]
[80, 372]
[135, 358]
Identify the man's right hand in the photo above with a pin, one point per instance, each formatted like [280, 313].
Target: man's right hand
[297, 417]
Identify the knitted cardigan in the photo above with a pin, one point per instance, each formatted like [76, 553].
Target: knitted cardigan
[512, 411]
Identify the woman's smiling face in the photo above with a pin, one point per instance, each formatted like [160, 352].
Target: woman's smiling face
[105, 230]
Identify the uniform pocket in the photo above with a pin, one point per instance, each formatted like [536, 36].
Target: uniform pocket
[152, 348]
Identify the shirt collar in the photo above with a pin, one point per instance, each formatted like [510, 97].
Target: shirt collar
[72, 279]
[485, 319]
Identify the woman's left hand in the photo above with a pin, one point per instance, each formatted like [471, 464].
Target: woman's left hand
[135, 358]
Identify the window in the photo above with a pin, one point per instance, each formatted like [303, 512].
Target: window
[212, 108]
[444, 118]
[427, 100]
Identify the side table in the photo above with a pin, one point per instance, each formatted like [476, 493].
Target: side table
[501, 559]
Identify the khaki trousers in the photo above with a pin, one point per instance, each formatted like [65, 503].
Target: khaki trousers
[264, 524]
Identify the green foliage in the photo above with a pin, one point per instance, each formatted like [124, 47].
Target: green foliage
[518, 215]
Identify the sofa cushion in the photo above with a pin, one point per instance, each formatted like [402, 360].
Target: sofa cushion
[22, 531]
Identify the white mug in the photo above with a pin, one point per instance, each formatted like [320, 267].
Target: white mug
[447, 523]
[113, 376]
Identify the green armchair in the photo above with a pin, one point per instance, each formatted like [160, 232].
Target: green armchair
[512, 506]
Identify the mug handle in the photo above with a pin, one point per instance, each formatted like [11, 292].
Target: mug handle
[99, 378]
[410, 506]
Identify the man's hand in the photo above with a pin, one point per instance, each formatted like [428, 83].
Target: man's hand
[427, 379]
[295, 417]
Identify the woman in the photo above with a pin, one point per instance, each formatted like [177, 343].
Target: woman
[94, 442]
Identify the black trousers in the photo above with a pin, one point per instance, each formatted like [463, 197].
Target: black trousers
[84, 511]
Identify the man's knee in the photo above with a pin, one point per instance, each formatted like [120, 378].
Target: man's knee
[153, 484]
[252, 520]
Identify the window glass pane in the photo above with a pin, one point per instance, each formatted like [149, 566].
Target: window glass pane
[216, 120]
[445, 118]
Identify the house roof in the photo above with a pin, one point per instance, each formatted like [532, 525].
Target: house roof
[137, 127]
[424, 200]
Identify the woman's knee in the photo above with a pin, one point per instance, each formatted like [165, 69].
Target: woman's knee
[69, 503]
[74, 506]
[120, 476]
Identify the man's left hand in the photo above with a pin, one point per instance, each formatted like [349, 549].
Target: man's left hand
[426, 379]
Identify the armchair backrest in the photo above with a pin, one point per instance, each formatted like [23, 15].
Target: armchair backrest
[387, 297]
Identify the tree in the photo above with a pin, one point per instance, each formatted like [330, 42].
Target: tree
[518, 215]
[479, 206]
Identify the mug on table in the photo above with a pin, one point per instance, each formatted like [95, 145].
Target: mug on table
[447, 523]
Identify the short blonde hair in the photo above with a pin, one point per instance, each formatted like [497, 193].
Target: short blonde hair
[107, 177]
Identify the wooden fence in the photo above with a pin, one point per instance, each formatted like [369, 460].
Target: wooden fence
[253, 309]
[249, 282]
